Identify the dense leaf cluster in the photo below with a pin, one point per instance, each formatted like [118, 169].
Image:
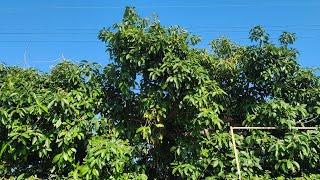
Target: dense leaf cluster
[162, 110]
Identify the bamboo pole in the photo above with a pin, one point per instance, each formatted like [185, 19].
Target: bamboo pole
[235, 152]
[266, 128]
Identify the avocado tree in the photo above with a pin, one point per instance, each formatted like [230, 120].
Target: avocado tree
[162, 110]
[52, 125]
[178, 100]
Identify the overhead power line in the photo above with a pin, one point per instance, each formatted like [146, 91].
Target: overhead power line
[217, 5]
[96, 33]
[73, 28]
[171, 5]
[192, 30]
[231, 5]
[88, 41]
[54, 41]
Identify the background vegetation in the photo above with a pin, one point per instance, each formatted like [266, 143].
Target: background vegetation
[162, 110]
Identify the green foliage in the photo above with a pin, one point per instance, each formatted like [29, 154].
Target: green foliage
[258, 34]
[287, 38]
[276, 113]
[51, 124]
[162, 110]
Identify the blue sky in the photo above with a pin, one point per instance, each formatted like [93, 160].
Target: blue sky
[44, 30]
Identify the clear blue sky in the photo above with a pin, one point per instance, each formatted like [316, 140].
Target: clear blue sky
[48, 28]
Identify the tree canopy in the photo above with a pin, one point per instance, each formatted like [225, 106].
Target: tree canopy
[162, 109]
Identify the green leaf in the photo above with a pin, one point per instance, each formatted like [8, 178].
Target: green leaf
[159, 125]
